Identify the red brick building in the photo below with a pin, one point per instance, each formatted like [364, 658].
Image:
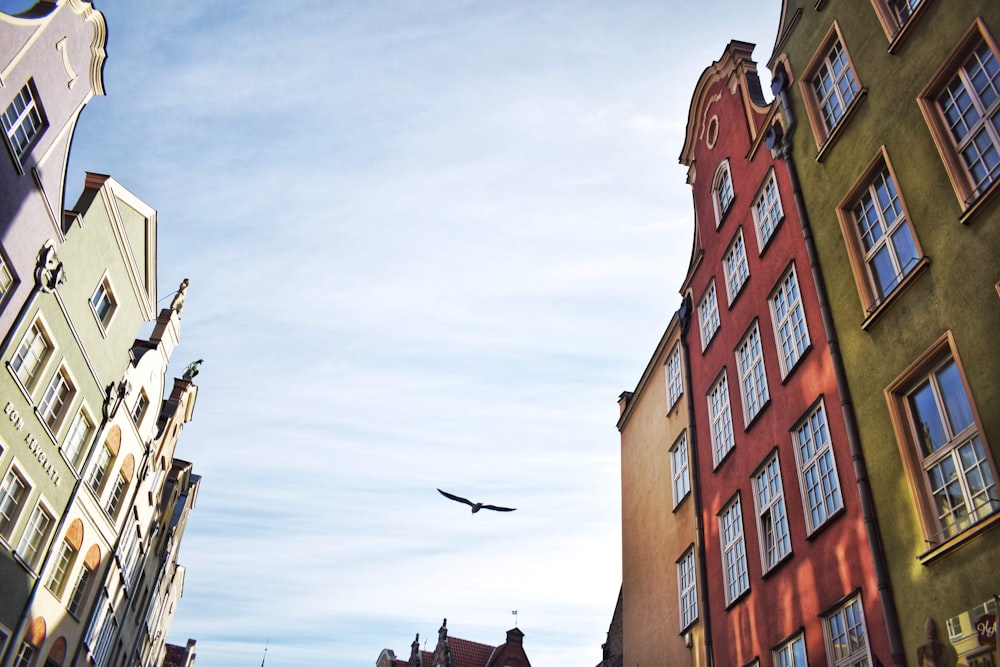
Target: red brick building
[789, 573]
[457, 652]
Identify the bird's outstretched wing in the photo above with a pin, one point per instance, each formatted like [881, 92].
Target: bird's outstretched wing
[499, 509]
[456, 498]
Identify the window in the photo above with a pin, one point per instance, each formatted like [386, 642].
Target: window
[789, 321]
[139, 409]
[792, 653]
[878, 233]
[79, 591]
[79, 435]
[103, 302]
[679, 469]
[99, 471]
[847, 639]
[817, 468]
[117, 494]
[722, 420]
[13, 492]
[896, 15]
[772, 522]
[962, 108]
[6, 279]
[830, 86]
[734, 554]
[753, 380]
[23, 120]
[58, 394]
[35, 536]
[63, 564]
[734, 265]
[675, 383]
[708, 315]
[722, 192]
[949, 464]
[767, 211]
[24, 655]
[30, 355]
[687, 588]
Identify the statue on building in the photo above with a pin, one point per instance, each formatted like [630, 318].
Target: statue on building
[192, 369]
[177, 304]
[934, 653]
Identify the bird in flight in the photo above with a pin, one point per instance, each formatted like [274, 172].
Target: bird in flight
[475, 506]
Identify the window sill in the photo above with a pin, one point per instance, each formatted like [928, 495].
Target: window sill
[777, 566]
[829, 521]
[834, 134]
[979, 203]
[774, 232]
[753, 420]
[680, 503]
[724, 458]
[739, 598]
[725, 214]
[953, 543]
[906, 29]
[687, 628]
[798, 364]
[876, 311]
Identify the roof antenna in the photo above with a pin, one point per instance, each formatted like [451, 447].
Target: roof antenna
[265, 652]
[515, 621]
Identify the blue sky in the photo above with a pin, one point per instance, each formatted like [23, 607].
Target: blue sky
[429, 244]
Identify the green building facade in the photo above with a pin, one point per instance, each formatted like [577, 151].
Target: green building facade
[893, 110]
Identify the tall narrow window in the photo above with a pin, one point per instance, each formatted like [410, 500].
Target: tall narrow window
[735, 266]
[13, 492]
[722, 420]
[30, 355]
[789, 321]
[6, 279]
[139, 409]
[772, 521]
[35, 536]
[63, 564]
[675, 383]
[680, 470]
[99, 470]
[117, 495]
[959, 475]
[79, 591]
[734, 554]
[722, 192]
[847, 638]
[103, 302]
[687, 589]
[767, 211]
[24, 655]
[962, 108]
[80, 432]
[56, 397]
[834, 85]
[817, 468]
[753, 380]
[708, 315]
[23, 120]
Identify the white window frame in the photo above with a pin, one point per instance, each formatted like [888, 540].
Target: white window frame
[708, 315]
[103, 303]
[6, 279]
[23, 121]
[78, 438]
[57, 398]
[816, 463]
[958, 452]
[846, 634]
[736, 577]
[35, 536]
[792, 653]
[100, 468]
[32, 354]
[735, 267]
[117, 497]
[80, 589]
[680, 469]
[140, 408]
[753, 377]
[687, 589]
[24, 655]
[791, 331]
[63, 565]
[14, 492]
[723, 194]
[772, 518]
[675, 378]
[721, 418]
[767, 211]
[834, 83]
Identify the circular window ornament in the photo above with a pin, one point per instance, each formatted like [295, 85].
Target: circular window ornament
[713, 132]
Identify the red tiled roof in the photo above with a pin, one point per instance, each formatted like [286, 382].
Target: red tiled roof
[465, 653]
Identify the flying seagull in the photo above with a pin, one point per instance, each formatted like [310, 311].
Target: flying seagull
[475, 506]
